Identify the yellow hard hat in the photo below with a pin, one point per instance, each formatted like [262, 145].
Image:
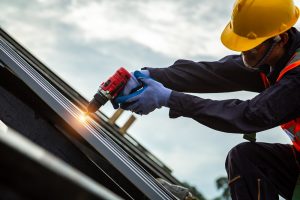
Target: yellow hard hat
[254, 21]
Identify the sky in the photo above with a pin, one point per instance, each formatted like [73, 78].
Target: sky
[86, 41]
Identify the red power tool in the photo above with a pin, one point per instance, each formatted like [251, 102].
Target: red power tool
[109, 90]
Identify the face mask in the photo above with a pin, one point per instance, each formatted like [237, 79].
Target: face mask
[253, 54]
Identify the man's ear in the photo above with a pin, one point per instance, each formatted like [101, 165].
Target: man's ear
[284, 38]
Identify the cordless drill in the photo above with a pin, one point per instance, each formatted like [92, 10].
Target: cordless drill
[109, 90]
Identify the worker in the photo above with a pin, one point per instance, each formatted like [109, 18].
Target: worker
[269, 64]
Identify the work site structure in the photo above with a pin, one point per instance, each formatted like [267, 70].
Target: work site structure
[41, 107]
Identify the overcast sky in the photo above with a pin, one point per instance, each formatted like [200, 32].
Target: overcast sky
[85, 41]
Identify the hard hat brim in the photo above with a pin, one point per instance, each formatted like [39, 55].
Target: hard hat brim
[238, 43]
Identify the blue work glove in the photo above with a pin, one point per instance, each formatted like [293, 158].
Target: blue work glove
[153, 95]
[131, 85]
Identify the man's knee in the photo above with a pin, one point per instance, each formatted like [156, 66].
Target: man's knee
[237, 154]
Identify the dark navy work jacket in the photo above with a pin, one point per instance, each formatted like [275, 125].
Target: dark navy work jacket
[273, 106]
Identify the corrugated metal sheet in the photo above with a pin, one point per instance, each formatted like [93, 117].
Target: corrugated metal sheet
[127, 156]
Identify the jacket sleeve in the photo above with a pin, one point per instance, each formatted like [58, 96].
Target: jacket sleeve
[226, 75]
[276, 105]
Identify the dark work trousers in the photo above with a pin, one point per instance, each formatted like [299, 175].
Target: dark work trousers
[262, 171]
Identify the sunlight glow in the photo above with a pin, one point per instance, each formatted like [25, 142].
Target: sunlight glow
[83, 117]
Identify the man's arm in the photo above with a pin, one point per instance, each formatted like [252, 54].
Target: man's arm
[274, 106]
[226, 75]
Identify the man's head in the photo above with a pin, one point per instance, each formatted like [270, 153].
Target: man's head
[258, 28]
[268, 52]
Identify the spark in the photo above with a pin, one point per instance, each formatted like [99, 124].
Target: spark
[83, 117]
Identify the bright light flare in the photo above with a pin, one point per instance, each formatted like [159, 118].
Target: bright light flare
[83, 117]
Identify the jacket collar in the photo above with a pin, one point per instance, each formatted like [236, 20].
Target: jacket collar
[292, 46]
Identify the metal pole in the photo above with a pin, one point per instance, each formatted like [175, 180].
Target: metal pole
[128, 123]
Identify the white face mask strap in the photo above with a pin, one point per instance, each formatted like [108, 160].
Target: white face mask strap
[277, 39]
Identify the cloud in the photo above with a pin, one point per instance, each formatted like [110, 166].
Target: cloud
[163, 26]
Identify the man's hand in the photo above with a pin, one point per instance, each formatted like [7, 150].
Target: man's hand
[130, 86]
[153, 95]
